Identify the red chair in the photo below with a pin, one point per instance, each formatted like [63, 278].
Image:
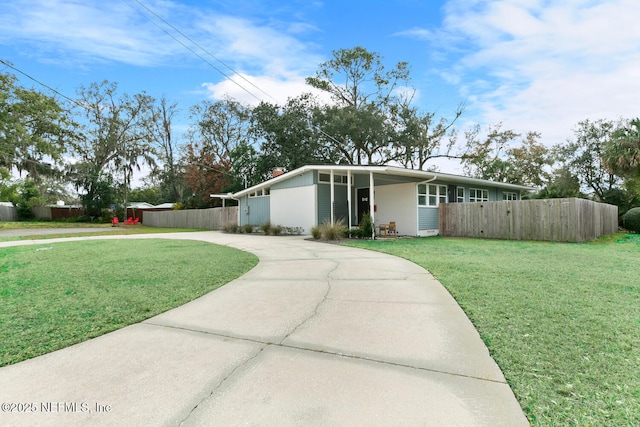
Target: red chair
[135, 221]
[114, 221]
[129, 221]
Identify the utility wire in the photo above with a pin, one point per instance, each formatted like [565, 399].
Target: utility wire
[8, 64]
[186, 47]
[203, 49]
[196, 53]
[217, 59]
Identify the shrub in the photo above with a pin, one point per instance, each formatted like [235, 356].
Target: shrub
[106, 215]
[334, 231]
[355, 233]
[316, 233]
[366, 226]
[26, 197]
[247, 228]
[276, 230]
[266, 228]
[631, 220]
[230, 228]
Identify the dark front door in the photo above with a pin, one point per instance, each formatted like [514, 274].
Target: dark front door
[452, 191]
[363, 202]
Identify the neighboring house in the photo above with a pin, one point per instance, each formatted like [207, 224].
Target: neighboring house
[304, 197]
[164, 206]
[137, 209]
[139, 205]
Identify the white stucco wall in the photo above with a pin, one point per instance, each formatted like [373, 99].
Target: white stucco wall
[398, 203]
[294, 207]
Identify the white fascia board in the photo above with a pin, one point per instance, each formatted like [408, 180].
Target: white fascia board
[385, 170]
[222, 196]
[482, 182]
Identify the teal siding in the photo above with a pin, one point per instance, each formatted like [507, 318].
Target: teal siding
[324, 203]
[307, 178]
[259, 210]
[495, 194]
[360, 181]
[427, 218]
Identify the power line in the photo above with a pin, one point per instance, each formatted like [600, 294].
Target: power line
[217, 59]
[186, 47]
[8, 64]
[203, 49]
[194, 52]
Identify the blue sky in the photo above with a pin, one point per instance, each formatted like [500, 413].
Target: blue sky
[534, 65]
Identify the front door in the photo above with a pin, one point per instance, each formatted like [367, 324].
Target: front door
[363, 202]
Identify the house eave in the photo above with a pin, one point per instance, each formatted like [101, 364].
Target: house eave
[383, 170]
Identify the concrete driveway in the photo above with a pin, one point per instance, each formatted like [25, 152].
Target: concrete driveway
[316, 334]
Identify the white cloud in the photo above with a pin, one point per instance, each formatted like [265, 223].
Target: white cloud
[417, 33]
[89, 33]
[125, 32]
[545, 65]
[256, 48]
[84, 32]
[271, 89]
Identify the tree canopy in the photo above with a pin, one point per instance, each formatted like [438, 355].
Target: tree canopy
[498, 158]
[35, 130]
[368, 118]
[117, 138]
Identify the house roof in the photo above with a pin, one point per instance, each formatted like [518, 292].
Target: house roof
[389, 171]
[168, 205]
[139, 205]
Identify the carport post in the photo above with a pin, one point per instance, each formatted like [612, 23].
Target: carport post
[331, 183]
[349, 198]
[372, 206]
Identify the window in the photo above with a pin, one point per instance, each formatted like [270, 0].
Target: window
[337, 179]
[422, 194]
[259, 193]
[460, 194]
[478, 195]
[431, 194]
[509, 196]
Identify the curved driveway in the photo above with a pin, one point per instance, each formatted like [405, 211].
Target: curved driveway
[316, 334]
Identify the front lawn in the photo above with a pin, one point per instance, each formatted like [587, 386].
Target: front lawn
[100, 229]
[55, 295]
[561, 320]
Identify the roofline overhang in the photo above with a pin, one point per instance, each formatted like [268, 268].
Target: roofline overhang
[384, 170]
[227, 196]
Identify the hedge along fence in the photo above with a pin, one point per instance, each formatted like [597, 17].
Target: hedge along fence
[209, 219]
[55, 213]
[559, 220]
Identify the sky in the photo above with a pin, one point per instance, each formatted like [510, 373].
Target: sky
[532, 65]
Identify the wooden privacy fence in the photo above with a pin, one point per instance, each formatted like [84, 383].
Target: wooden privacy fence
[54, 213]
[559, 220]
[8, 213]
[209, 219]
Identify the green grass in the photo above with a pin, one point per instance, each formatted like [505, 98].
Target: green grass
[561, 320]
[59, 294]
[12, 225]
[108, 229]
